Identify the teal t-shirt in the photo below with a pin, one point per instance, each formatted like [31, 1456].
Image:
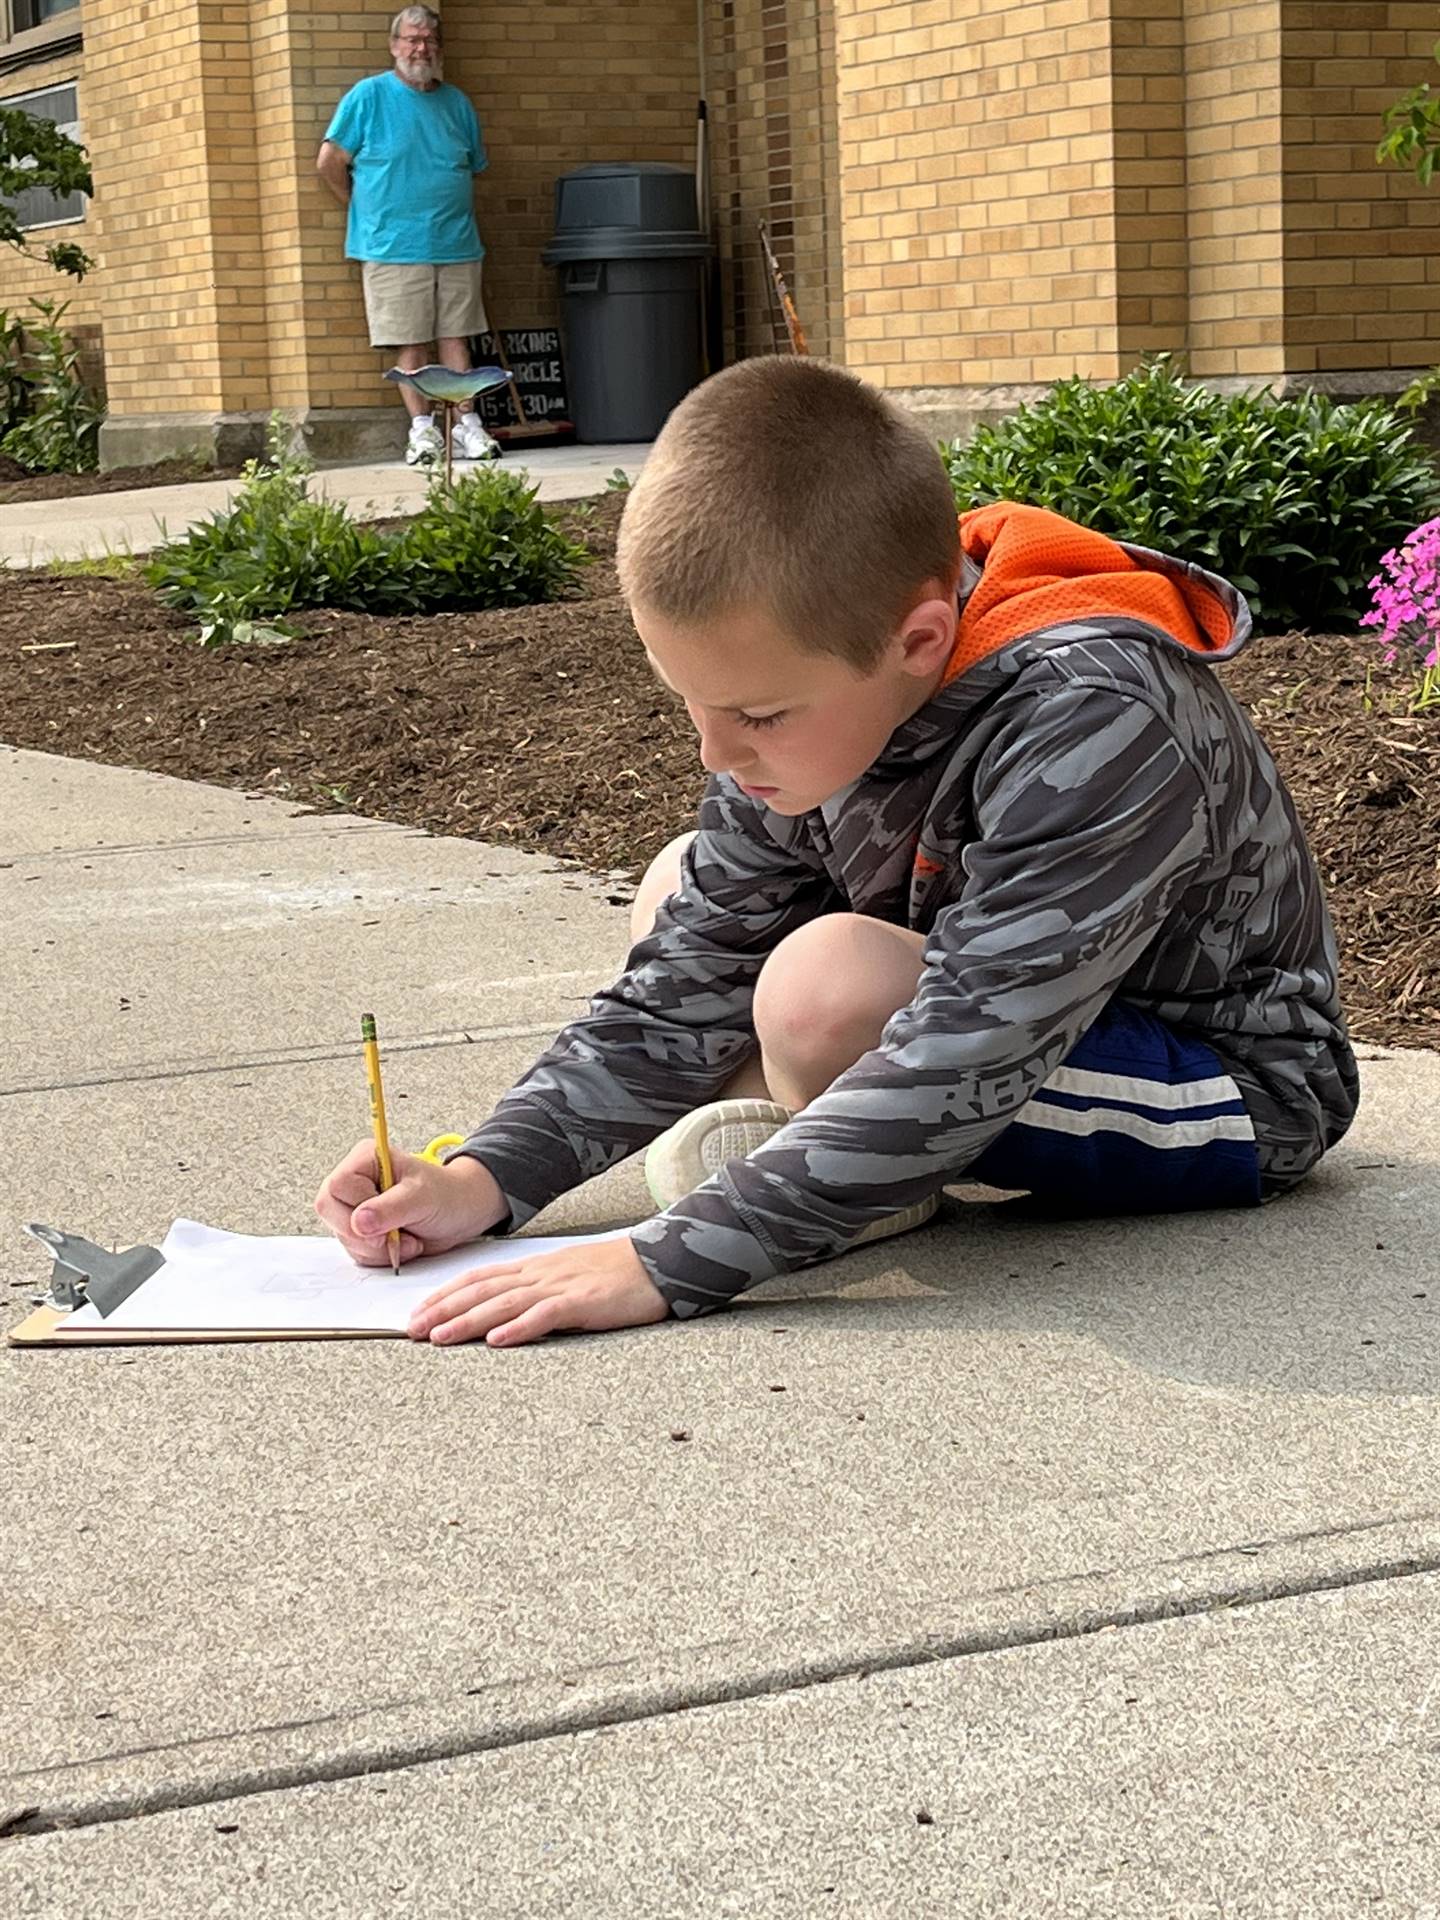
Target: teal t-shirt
[415, 156]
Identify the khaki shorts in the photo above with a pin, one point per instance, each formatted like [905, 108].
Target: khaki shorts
[409, 306]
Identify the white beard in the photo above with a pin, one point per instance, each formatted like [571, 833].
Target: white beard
[420, 73]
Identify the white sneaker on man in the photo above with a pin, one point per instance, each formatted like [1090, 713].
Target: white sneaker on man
[700, 1144]
[425, 445]
[471, 441]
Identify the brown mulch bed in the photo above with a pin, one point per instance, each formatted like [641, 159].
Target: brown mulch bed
[543, 728]
[16, 485]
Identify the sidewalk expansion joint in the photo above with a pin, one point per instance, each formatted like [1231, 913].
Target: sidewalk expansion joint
[21, 1818]
[344, 826]
[286, 1057]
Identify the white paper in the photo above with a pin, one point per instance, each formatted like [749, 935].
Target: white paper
[212, 1280]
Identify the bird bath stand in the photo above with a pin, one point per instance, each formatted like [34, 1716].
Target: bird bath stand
[450, 388]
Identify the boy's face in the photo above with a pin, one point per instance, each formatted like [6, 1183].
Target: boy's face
[790, 727]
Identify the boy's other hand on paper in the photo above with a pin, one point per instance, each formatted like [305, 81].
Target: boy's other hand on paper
[433, 1208]
[587, 1288]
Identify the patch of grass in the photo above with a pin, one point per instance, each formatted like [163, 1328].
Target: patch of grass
[97, 566]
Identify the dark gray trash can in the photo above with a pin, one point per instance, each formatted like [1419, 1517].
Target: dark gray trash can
[631, 259]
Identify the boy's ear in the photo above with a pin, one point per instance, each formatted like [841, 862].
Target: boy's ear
[926, 638]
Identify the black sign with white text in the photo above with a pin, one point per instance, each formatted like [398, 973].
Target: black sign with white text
[534, 356]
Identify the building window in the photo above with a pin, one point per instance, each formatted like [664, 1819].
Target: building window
[38, 206]
[34, 13]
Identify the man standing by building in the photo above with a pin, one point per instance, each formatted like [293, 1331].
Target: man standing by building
[401, 154]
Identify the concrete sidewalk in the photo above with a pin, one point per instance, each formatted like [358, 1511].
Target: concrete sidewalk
[1115, 1540]
[34, 532]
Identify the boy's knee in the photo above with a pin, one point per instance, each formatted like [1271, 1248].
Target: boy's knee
[834, 983]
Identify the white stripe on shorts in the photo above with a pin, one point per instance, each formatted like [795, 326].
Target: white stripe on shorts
[1142, 1093]
[1151, 1133]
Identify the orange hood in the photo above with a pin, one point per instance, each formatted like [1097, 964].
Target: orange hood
[1039, 570]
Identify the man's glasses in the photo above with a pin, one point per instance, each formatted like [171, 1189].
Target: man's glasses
[417, 39]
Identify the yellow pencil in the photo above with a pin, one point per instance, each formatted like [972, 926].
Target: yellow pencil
[377, 1121]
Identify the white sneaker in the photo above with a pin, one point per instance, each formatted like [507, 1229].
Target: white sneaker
[700, 1144]
[472, 442]
[704, 1140]
[425, 445]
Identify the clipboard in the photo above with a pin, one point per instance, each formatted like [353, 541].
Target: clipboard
[87, 1275]
[202, 1276]
[46, 1327]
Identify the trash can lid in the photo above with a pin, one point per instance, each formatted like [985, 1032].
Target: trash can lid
[626, 198]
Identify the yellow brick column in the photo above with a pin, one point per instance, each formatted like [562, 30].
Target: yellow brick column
[324, 375]
[978, 179]
[1148, 129]
[170, 124]
[1234, 190]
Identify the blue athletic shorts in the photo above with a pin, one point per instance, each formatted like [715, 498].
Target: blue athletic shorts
[1138, 1119]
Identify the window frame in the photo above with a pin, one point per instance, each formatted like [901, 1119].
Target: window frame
[70, 126]
[25, 16]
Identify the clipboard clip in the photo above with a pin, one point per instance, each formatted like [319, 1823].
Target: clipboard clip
[86, 1275]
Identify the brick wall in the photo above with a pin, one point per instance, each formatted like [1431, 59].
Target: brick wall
[1361, 243]
[771, 89]
[977, 172]
[1150, 91]
[1057, 187]
[558, 85]
[963, 194]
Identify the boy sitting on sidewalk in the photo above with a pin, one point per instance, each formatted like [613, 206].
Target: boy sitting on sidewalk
[992, 879]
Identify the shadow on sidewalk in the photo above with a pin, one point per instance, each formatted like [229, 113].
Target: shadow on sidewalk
[1324, 1291]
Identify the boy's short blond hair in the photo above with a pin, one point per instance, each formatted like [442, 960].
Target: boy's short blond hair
[790, 485]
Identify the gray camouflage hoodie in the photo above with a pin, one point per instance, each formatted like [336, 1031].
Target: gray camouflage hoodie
[1080, 812]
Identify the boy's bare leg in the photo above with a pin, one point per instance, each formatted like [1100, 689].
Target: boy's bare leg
[823, 998]
[661, 879]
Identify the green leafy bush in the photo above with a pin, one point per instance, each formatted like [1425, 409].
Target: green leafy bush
[51, 418]
[1293, 499]
[484, 542]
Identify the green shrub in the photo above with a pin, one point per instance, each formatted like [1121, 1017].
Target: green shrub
[1293, 499]
[51, 417]
[484, 542]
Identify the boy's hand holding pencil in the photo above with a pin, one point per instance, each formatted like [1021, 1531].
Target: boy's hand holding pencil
[430, 1208]
[385, 1206]
[434, 1208]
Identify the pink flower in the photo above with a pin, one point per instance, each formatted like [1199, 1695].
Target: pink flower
[1405, 597]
